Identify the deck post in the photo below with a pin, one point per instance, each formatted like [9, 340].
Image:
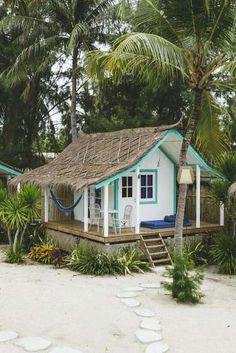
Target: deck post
[105, 214]
[46, 204]
[85, 209]
[198, 196]
[137, 223]
[222, 214]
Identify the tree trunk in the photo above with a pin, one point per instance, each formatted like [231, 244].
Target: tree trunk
[9, 238]
[73, 95]
[15, 240]
[182, 161]
[22, 234]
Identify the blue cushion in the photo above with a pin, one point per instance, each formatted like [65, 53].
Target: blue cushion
[158, 224]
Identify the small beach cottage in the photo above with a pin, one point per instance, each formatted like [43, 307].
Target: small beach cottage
[121, 184]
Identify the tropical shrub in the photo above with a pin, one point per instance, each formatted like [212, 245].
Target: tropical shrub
[185, 283]
[16, 256]
[223, 253]
[197, 250]
[89, 260]
[46, 253]
[131, 260]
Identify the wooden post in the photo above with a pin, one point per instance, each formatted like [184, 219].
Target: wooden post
[105, 214]
[222, 214]
[46, 204]
[137, 223]
[198, 196]
[85, 209]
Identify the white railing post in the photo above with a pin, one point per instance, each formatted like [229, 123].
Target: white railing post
[222, 214]
[46, 204]
[137, 223]
[198, 196]
[105, 214]
[18, 187]
[85, 209]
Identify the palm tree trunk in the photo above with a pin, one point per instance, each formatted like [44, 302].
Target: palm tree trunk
[73, 94]
[23, 233]
[182, 161]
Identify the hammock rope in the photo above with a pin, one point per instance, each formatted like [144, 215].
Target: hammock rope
[61, 207]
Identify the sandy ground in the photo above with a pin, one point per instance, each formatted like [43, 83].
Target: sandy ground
[83, 312]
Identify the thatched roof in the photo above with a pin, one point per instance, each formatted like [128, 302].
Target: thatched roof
[94, 158]
[232, 190]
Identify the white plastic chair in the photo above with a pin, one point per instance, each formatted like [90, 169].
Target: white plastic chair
[126, 222]
[95, 215]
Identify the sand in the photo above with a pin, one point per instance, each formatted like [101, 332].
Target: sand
[83, 312]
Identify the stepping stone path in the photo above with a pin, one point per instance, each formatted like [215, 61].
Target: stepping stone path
[7, 336]
[151, 285]
[157, 347]
[134, 289]
[144, 312]
[147, 336]
[64, 350]
[150, 324]
[126, 295]
[131, 303]
[33, 344]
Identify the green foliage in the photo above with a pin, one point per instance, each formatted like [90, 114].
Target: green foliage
[223, 253]
[16, 256]
[227, 166]
[219, 190]
[43, 253]
[197, 251]
[89, 260]
[30, 196]
[185, 282]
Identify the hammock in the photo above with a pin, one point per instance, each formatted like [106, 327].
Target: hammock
[62, 208]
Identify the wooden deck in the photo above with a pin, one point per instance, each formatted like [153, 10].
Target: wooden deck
[75, 228]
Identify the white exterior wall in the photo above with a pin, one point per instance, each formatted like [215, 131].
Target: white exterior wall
[79, 209]
[165, 190]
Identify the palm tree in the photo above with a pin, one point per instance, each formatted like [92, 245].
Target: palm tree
[191, 39]
[56, 26]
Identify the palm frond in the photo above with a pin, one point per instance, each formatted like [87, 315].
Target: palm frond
[25, 23]
[210, 138]
[145, 56]
[80, 30]
[100, 7]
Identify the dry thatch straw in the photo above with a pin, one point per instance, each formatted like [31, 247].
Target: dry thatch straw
[94, 158]
[232, 190]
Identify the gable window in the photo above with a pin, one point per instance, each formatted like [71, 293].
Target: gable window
[148, 186]
[127, 186]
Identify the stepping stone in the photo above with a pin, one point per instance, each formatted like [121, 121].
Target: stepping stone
[127, 295]
[157, 347]
[33, 344]
[147, 336]
[7, 335]
[131, 303]
[64, 350]
[133, 289]
[144, 312]
[151, 285]
[151, 324]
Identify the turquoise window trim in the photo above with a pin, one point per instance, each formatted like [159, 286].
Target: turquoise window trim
[116, 197]
[9, 170]
[202, 163]
[155, 200]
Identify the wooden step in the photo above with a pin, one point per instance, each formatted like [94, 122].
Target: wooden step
[161, 261]
[155, 246]
[156, 253]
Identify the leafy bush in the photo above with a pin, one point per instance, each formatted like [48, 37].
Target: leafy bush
[197, 250]
[130, 260]
[223, 253]
[16, 256]
[46, 253]
[89, 260]
[184, 284]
